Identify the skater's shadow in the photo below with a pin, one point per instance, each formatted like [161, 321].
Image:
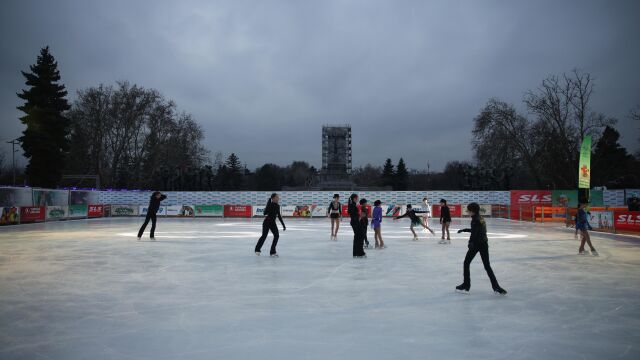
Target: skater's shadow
[535, 258]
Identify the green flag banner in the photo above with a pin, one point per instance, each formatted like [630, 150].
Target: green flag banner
[584, 171]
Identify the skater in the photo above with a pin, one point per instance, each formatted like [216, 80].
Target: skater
[376, 222]
[271, 212]
[152, 210]
[478, 243]
[445, 220]
[426, 208]
[334, 212]
[415, 221]
[364, 221]
[354, 214]
[583, 226]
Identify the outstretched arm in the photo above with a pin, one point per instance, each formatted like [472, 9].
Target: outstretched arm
[464, 230]
[162, 197]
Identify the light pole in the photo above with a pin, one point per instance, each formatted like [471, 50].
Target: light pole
[13, 158]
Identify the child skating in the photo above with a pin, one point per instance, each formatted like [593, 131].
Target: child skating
[583, 226]
[152, 210]
[364, 222]
[478, 243]
[445, 221]
[415, 221]
[376, 224]
[271, 212]
[334, 212]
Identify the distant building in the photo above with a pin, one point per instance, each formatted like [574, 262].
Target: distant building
[336, 157]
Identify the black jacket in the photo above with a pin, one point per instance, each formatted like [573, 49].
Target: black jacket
[445, 214]
[354, 213]
[154, 204]
[478, 231]
[411, 215]
[272, 211]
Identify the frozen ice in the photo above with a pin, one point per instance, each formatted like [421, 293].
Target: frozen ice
[88, 290]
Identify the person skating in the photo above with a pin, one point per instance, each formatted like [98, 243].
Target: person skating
[376, 224]
[271, 212]
[583, 226]
[478, 243]
[354, 214]
[152, 210]
[364, 222]
[334, 212]
[415, 221]
[445, 221]
[426, 210]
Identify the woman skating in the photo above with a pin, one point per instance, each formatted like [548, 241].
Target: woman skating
[376, 224]
[271, 212]
[478, 243]
[445, 220]
[334, 212]
[583, 226]
[415, 221]
[354, 214]
[152, 210]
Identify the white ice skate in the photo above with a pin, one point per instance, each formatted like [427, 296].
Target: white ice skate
[583, 252]
[443, 241]
[415, 238]
[139, 238]
[594, 253]
[274, 255]
[257, 253]
[153, 239]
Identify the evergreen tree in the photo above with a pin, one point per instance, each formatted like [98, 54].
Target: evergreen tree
[45, 140]
[611, 165]
[388, 174]
[235, 170]
[402, 176]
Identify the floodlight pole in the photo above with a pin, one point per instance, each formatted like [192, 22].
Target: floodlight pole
[13, 158]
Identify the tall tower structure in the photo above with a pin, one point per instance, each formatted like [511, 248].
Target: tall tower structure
[336, 152]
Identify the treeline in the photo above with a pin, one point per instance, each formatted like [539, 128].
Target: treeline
[135, 138]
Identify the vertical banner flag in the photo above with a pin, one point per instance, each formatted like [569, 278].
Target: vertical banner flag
[584, 172]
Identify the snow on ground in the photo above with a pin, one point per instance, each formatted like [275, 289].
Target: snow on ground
[88, 290]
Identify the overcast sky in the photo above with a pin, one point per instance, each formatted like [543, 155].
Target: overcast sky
[262, 77]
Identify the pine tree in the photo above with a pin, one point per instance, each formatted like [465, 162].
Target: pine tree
[388, 174]
[234, 171]
[45, 140]
[402, 176]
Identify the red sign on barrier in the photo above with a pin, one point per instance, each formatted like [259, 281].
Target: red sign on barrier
[32, 214]
[96, 211]
[454, 209]
[627, 220]
[237, 211]
[345, 210]
[526, 199]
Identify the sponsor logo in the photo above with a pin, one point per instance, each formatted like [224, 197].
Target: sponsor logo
[528, 198]
[628, 219]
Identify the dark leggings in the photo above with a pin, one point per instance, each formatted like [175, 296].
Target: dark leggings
[358, 239]
[151, 217]
[484, 255]
[266, 226]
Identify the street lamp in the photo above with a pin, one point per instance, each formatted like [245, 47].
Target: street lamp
[13, 143]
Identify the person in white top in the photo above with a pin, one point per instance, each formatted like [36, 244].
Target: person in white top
[426, 210]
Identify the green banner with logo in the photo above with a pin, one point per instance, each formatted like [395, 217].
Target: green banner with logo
[584, 171]
[209, 210]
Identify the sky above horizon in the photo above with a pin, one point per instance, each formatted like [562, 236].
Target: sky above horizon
[409, 76]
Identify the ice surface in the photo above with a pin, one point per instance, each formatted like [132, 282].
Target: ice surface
[89, 290]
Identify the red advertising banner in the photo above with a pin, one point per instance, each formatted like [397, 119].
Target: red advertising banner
[454, 209]
[627, 220]
[345, 210]
[237, 211]
[96, 211]
[525, 200]
[32, 214]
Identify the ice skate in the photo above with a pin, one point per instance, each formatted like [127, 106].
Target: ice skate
[594, 252]
[443, 241]
[153, 239]
[139, 238]
[274, 255]
[257, 253]
[463, 288]
[500, 291]
[415, 238]
[583, 252]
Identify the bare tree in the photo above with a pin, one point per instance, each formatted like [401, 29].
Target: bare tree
[504, 140]
[562, 106]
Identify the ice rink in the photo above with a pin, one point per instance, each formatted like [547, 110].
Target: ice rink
[88, 290]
